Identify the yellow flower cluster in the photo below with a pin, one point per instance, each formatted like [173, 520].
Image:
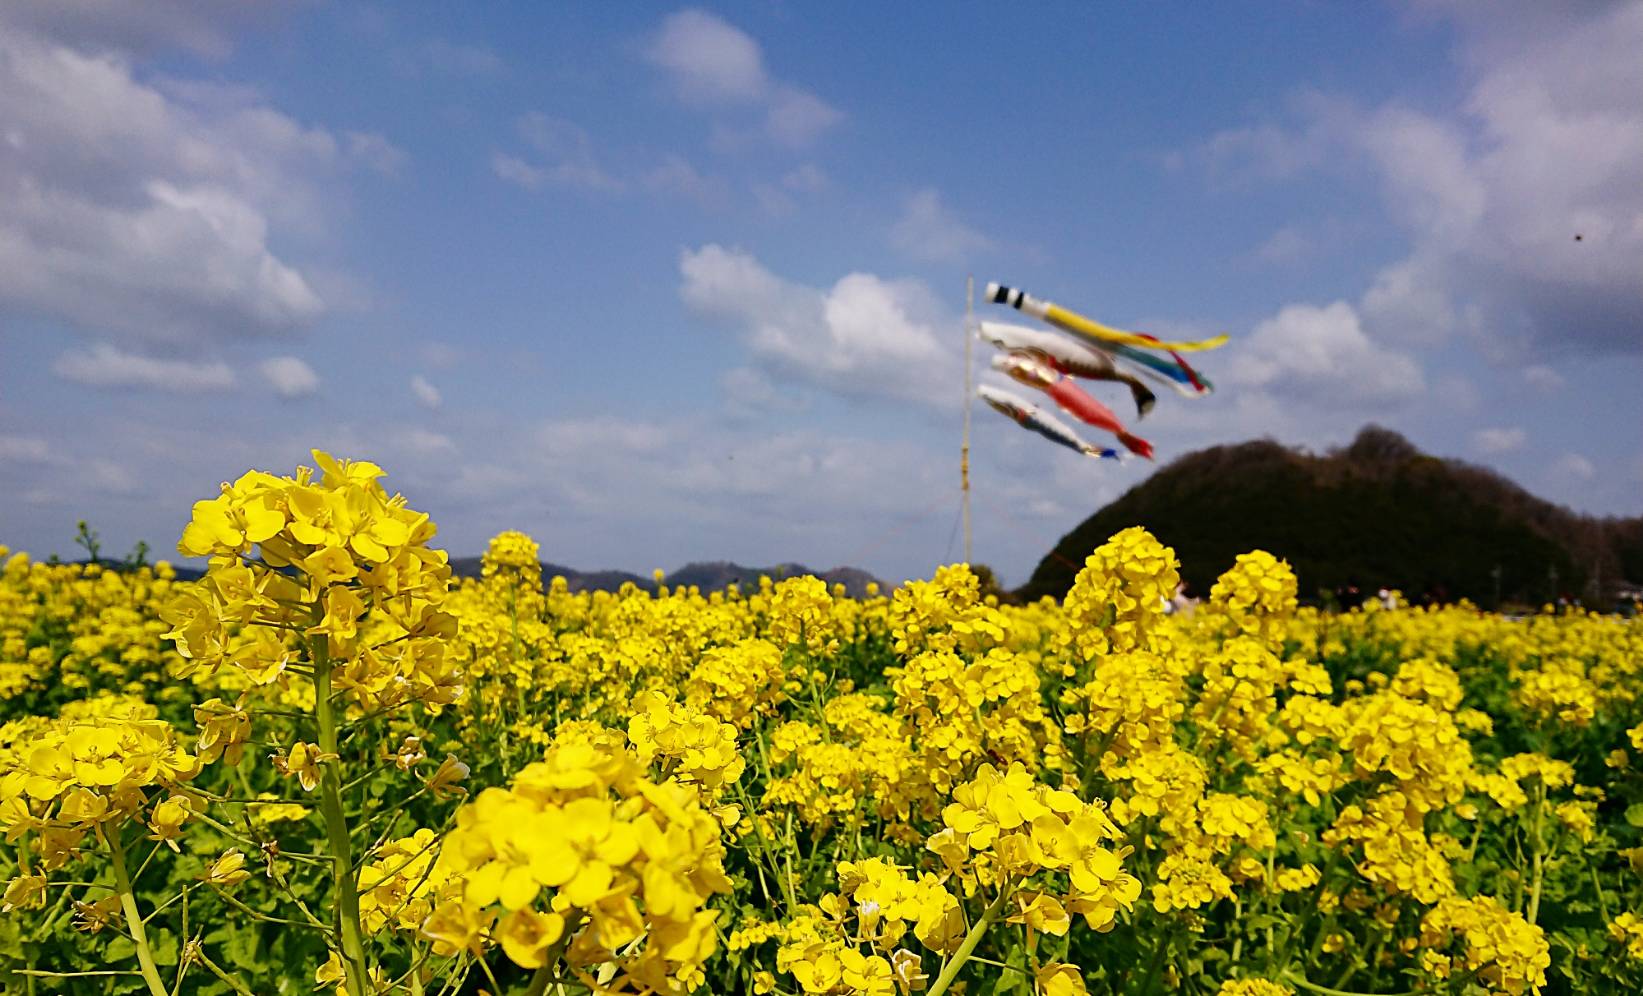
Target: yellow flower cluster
[857, 762]
[1397, 855]
[1627, 929]
[964, 710]
[1003, 828]
[852, 941]
[738, 683]
[690, 745]
[1117, 600]
[1257, 596]
[801, 611]
[512, 553]
[1504, 951]
[79, 776]
[338, 562]
[399, 888]
[583, 834]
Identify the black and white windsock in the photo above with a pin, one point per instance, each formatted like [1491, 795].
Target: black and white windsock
[1019, 300]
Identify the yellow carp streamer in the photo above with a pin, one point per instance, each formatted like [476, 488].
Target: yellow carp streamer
[1072, 321]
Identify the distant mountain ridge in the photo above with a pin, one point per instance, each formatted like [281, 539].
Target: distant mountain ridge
[709, 576]
[1376, 512]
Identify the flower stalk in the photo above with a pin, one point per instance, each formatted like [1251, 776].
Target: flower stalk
[133, 918]
[336, 825]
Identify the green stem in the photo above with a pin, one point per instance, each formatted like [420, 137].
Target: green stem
[966, 947]
[1538, 858]
[228, 980]
[134, 919]
[336, 825]
[1301, 981]
[1157, 962]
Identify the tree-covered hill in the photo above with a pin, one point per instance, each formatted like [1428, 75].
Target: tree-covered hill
[1377, 512]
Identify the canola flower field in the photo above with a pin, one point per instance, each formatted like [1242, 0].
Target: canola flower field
[326, 764]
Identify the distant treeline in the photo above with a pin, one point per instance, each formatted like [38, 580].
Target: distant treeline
[1376, 513]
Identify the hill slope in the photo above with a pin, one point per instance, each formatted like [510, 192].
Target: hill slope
[1378, 512]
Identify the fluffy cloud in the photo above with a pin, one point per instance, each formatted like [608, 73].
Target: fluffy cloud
[426, 394]
[1323, 354]
[709, 60]
[714, 64]
[148, 211]
[104, 365]
[205, 27]
[1495, 441]
[864, 336]
[563, 157]
[928, 230]
[289, 376]
[1547, 146]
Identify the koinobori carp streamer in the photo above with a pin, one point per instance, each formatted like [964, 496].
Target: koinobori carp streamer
[1088, 328]
[1072, 357]
[1030, 416]
[1024, 369]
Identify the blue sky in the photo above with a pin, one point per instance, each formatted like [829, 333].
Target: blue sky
[658, 284]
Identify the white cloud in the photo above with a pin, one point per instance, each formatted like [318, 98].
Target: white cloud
[205, 27]
[428, 443]
[374, 152]
[24, 449]
[864, 336]
[564, 157]
[518, 171]
[1287, 245]
[1547, 145]
[709, 59]
[796, 118]
[1543, 378]
[714, 64]
[289, 376]
[1502, 440]
[1410, 302]
[928, 230]
[109, 478]
[1323, 354]
[676, 175]
[1239, 156]
[150, 210]
[104, 365]
[426, 394]
[1575, 466]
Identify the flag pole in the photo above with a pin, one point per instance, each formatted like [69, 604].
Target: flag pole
[964, 458]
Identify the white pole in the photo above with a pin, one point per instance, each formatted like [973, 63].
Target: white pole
[969, 389]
